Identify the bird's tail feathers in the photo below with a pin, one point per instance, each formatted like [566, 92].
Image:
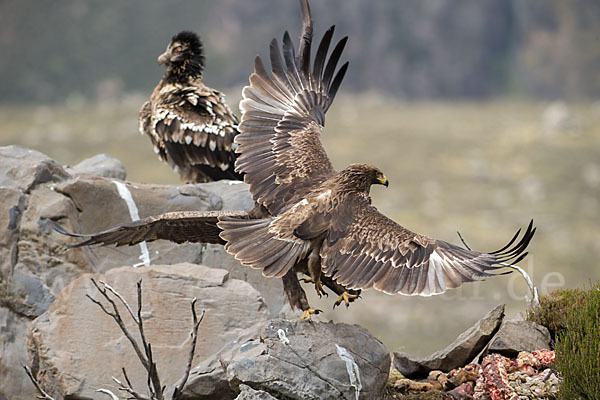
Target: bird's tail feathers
[253, 244]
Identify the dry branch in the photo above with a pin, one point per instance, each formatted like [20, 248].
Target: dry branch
[43, 395]
[145, 357]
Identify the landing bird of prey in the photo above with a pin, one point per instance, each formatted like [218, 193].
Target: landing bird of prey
[308, 217]
[190, 125]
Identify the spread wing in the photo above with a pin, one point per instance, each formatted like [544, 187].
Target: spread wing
[283, 114]
[178, 227]
[374, 251]
[192, 128]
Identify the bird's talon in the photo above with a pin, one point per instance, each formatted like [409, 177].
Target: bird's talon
[308, 313]
[320, 290]
[346, 298]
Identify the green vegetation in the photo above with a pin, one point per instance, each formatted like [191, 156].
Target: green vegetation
[556, 307]
[578, 346]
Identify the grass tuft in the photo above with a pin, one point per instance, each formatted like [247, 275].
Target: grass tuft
[578, 344]
[555, 307]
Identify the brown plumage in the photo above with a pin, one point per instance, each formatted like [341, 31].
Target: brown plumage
[310, 218]
[190, 125]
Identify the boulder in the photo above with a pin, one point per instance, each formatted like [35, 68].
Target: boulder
[14, 383]
[516, 336]
[23, 169]
[34, 262]
[75, 348]
[22, 294]
[296, 360]
[247, 393]
[459, 353]
[100, 165]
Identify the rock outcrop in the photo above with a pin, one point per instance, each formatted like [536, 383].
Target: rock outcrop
[514, 337]
[296, 360]
[100, 165]
[35, 264]
[75, 347]
[459, 353]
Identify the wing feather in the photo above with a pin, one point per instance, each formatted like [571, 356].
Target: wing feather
[178, 227]
[283, 114]
[374, 251]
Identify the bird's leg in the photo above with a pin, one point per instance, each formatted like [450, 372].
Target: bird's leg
[296, 295]
[345, 295]
[314, 270]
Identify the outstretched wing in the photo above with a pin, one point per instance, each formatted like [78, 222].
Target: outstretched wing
[193, 129]
[283, 114]
[178, 227]
[374, 251]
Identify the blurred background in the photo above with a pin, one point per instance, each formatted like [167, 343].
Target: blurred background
[483, 115]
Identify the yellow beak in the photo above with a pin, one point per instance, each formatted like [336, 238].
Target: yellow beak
[384, 181]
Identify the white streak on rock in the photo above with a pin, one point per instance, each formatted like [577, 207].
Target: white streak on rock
[282, 337]
[133, 213]
[351, 368]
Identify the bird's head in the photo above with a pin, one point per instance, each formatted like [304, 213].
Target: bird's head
[362, 176]
[184, 54]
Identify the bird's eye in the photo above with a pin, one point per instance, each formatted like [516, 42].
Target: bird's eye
[177, 49]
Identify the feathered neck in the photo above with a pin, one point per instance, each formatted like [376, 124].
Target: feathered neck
[187, 71]
[354, 180]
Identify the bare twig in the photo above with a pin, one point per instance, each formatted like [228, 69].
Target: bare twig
[535, 301]
[463, 240]
[145, 357]
[108, 393]
[43, 395]
[117, 317]
[154, 384]
[118, 295]
[194, 334]
[128, 389]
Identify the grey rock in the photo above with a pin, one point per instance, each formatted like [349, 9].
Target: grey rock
[14, 383]
[296, 360]
[235, 194]
[96, 349]
[247, 393]
[516, 336]
[38, 296]
[23, 169]
[459, 353]
[34, 262]
[100, 165]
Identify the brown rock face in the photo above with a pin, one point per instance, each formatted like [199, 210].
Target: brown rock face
[459, 353]
[516, 336]
[76, 348]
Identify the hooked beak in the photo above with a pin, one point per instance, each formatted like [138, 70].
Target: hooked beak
[384, 181]
[163, 58]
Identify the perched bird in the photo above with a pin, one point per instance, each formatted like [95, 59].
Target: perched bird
[190, 125]
[310, 218]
